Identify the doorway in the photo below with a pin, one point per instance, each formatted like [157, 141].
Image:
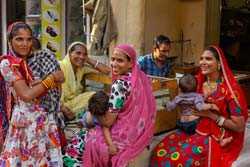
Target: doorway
[11, 10]
[235, 33]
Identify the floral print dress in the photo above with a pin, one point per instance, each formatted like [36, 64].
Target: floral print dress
[32, 139]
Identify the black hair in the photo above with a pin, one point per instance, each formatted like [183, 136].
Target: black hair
[98, 103]
[214, 52]
[187, 83]
[15, 27]
[160, 39]
[36, 44]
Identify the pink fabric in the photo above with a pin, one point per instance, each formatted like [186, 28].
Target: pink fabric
[133, 130]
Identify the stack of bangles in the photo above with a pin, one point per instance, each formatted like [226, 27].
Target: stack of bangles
[220, 120]
[49, 82]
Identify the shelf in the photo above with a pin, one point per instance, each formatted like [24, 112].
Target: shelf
[33, 16]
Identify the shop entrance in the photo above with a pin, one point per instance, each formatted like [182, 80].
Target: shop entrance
[11, 11]
[235, 33]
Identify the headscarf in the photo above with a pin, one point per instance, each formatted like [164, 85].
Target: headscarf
[229, 154]
[134, 127]
[72, 85]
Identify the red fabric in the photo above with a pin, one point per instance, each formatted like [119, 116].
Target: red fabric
[229, 153]
[62, 136]
[25, 71]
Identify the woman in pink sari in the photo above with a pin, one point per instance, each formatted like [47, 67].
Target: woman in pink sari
[217, 83]
[132, 114]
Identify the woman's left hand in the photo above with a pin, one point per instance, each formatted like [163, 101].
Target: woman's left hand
[58, 76]
[206, 113]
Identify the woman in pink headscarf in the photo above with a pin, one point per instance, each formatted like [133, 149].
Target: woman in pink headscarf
[131, 114]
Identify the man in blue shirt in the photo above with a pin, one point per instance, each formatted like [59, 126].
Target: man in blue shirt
[157, 63]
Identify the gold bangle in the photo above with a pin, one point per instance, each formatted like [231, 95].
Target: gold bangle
[49, 82]
[45, 85]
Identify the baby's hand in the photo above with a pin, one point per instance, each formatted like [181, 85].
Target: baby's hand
[112, 149]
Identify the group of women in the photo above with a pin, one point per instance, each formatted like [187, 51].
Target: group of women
[30, 135]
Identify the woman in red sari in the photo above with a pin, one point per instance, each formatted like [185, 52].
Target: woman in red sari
[217, 83]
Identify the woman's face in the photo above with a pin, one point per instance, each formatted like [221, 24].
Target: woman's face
[21, 43]
[120, 63]
[78, 56]
[208, 63]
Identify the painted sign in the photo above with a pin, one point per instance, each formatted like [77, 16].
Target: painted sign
[51, 26]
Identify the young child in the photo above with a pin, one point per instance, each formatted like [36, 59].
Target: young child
[95, 116]
[98, 107]
[189, 101]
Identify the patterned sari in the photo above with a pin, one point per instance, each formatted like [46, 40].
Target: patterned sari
[32, 138]
[179, 149]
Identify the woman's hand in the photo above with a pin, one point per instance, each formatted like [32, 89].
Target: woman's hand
[214, 107]
[67, 113]
[58, 76]
[112, 149]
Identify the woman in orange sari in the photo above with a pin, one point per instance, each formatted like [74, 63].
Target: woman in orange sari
[218, 85]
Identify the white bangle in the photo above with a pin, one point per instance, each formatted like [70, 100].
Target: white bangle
[96, 64]
[221, 121]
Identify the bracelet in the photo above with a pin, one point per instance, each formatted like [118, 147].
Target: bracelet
[49, 82]
[96, 64]
[220, 121]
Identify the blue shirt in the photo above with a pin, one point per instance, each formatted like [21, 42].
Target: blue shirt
[146, 63]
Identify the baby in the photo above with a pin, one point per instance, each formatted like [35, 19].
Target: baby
[98, 109]
[189, 101]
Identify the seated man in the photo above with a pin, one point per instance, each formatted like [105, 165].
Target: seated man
[158, 62]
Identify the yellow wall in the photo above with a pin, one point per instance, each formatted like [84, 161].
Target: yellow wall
[193, 22]
[161, 18]
[129, 17]
[138, 21]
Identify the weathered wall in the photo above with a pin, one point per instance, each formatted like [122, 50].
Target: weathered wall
[138, 21]
[129, 17]
[161, 18]
[193, 24]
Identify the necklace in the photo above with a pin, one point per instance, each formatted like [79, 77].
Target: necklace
[212, 85]
[209, 87]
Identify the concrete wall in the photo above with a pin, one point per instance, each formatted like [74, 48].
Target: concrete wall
[193, 24]
[129, 17]
[138, 21]
[162, 17]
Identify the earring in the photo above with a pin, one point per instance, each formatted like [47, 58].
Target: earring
[218, 67]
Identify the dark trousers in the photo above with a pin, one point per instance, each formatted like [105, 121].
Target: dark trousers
[188, 127]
